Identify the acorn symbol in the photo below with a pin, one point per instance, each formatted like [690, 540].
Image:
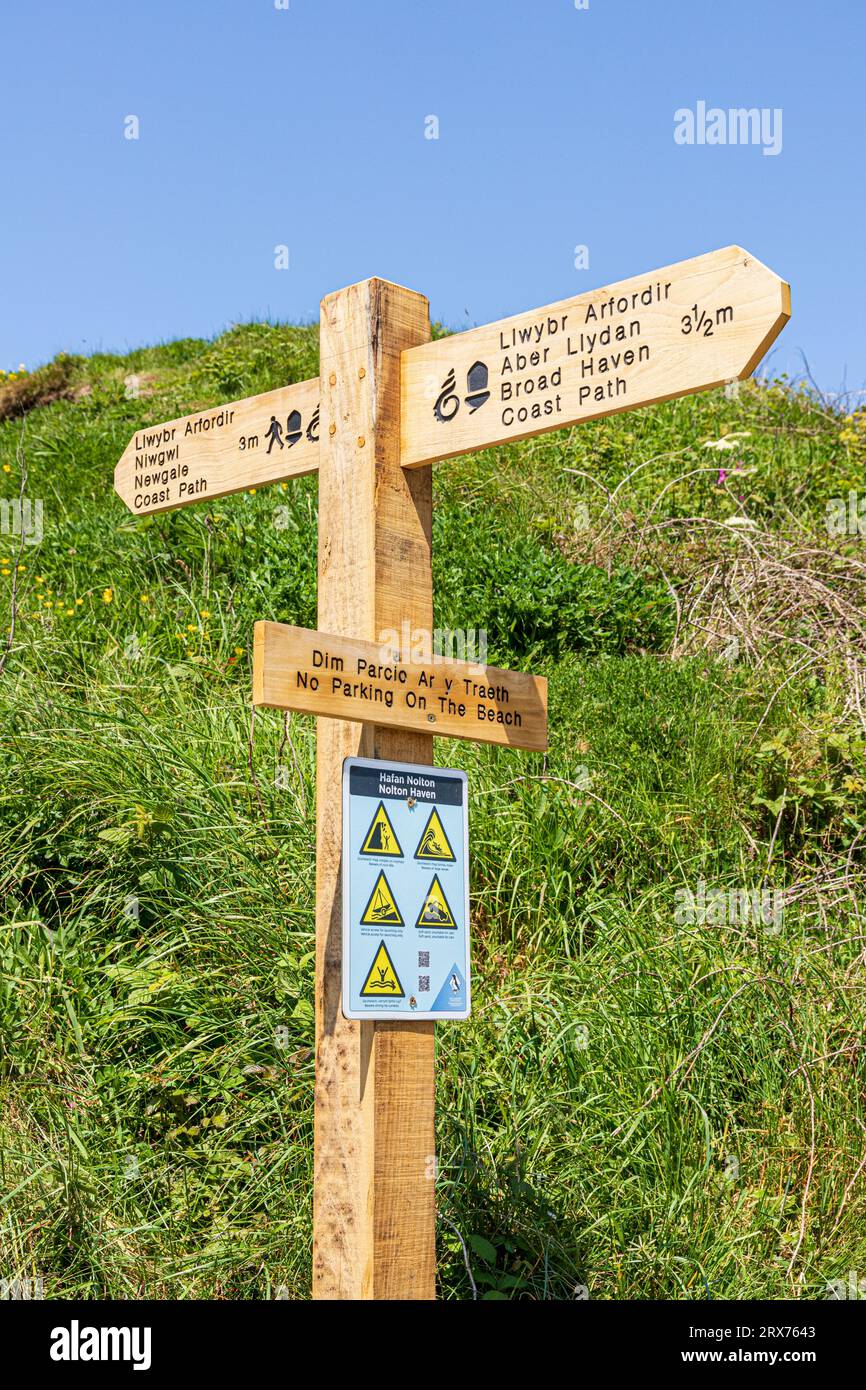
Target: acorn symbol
[476, 380]
[293, 428]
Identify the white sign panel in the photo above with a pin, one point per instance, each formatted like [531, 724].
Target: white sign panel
[405, 891]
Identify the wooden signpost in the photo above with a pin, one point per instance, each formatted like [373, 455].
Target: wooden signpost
[344, 678]
[688, 327]
[263, 439]
[388, 403]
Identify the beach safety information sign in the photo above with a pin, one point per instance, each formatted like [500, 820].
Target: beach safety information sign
[405, 891]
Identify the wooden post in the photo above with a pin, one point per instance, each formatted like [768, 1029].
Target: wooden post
[374, 1198]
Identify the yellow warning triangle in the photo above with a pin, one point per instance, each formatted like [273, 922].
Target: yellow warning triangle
[380, 838]
[435, 911]
[382, 978]
[434, 843]
[382, 909]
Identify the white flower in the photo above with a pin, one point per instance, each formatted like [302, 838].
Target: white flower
[728, 441]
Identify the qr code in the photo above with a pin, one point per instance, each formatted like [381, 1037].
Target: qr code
[423, 957]
[423, 984]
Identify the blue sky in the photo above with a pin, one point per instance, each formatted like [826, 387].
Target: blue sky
[305, 127]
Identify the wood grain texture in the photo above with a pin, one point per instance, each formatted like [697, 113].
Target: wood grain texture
[215, 452]
[374, 1202]
[344, 678]
[684, 328]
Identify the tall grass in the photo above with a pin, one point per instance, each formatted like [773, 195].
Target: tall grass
[640, 1106]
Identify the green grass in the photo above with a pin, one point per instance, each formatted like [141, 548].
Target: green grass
[640, 1106]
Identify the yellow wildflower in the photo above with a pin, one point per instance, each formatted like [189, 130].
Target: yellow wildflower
[108, 596]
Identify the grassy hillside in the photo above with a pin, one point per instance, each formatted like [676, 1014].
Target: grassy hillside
[657, 1095]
